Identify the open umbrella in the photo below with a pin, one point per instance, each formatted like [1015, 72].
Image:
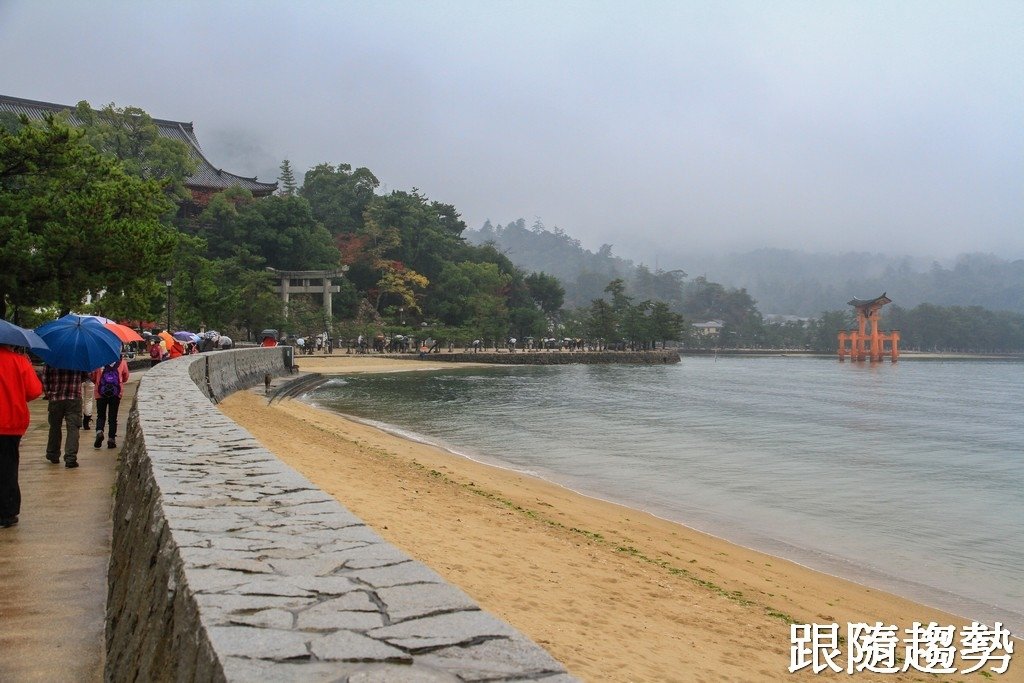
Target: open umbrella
[77, 343]
[12, 335]
[100, 318]
[168, 339]
[182, 335]
[123, 332]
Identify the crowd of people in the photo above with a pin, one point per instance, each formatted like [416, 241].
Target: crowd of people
[398, 343]
[73, 398]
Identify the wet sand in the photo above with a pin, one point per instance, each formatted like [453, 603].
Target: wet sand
[613, 593]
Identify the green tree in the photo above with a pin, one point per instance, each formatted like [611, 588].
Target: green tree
[288, 186]
[617, 289]
[822, 333]
[72, 221]
[338, 196]
[602, 322]
[280, 231]
[546, 291]
[665, 324]
[425, 233]
[635, 325]
[130, 135]
[472, 295]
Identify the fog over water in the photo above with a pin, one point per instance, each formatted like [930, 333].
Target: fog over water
[830, 126]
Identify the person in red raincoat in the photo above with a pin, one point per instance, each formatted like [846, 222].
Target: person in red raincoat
[19, 384]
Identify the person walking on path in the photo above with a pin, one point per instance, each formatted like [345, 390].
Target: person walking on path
[19, 384]
[63, 389]
[87, 403]
[156, 354]
[109, 381]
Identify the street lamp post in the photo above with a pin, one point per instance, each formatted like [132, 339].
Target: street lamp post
[169, 282]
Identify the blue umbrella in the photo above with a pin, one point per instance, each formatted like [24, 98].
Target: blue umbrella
[78, 343]
[12, 335]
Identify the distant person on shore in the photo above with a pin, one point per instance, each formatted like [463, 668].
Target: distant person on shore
[19, 384]
[269, 342]
[63, 390]
[109, 381]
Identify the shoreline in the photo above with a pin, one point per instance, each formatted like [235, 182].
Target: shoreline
[707, 608]
[834, 566]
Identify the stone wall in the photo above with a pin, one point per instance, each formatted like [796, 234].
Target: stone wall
[227, 565]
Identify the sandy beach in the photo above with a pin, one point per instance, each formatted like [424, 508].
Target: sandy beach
[613, 593]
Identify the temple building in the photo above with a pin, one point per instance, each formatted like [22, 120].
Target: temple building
[203, 184]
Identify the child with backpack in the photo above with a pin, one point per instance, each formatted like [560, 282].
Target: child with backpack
[109, 382]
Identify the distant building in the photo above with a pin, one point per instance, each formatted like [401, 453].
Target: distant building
[711, 328]
[783, 318]
[204, 183]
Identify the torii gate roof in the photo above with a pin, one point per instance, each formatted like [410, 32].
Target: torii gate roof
[865, 303]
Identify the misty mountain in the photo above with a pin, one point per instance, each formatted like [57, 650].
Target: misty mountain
[798, 283]
[784, 282]
[583, 273]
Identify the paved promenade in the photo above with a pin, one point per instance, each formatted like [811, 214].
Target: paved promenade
[53, 564]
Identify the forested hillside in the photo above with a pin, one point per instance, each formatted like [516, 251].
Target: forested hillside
[785, 282]
[797, 283]
[583, 273]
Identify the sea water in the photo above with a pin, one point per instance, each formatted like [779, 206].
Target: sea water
[908, 477]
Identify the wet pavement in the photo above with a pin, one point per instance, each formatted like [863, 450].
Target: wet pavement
[53, 563]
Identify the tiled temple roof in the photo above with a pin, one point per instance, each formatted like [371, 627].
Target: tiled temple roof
[207, 176]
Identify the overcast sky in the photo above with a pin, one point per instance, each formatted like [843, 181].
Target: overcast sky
[890, 126]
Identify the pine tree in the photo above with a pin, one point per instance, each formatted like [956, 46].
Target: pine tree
[288, 186]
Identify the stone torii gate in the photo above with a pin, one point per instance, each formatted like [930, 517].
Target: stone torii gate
[861, 343]
[308, 282]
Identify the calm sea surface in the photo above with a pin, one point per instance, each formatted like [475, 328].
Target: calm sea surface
[907, 477]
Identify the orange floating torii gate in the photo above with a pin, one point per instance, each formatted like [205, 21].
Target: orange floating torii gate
[862, 344]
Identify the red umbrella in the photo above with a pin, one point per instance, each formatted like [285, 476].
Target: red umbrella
[123, 332]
